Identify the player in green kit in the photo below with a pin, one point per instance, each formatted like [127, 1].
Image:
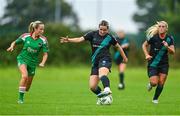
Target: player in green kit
[33, 42]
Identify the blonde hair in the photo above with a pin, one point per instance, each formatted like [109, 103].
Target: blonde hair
[34, 25]
[153, 30]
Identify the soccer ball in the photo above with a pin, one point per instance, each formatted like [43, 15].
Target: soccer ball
[107, 100]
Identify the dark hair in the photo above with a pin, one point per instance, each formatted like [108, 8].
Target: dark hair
[104, 23]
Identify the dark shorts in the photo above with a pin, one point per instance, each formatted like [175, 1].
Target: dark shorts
[104, 62]
[152, 71]
[118, 59]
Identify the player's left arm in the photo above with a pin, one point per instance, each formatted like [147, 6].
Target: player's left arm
[121, 52]
[45, 49]
[44, 59]
[170, 47]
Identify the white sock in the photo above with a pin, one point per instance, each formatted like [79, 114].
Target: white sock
[107, 89]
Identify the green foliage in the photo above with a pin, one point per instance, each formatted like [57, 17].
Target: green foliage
[148, 13]
[66, 53]
[151, 11]
[19, 13]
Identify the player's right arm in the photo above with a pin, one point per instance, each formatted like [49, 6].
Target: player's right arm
[17, 41]
[12, 46]
[146, 53]
[72, 40]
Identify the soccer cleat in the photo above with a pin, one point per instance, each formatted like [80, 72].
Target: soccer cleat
[20, 102]
[149, 87]
[104, 93]
[155, 101]
[121, 86]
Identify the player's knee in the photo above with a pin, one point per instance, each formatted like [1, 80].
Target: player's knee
[154, 83]
[24, 76]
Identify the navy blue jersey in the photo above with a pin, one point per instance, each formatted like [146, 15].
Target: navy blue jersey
[100, 44]
[158, 51]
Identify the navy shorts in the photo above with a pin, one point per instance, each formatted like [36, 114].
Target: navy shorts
[103, 62]
[152, 71]
[119, 59]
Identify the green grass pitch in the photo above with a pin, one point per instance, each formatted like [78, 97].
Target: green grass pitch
[65, 91]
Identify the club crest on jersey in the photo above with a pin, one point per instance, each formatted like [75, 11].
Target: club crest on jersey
[103, 62]
[28, 42]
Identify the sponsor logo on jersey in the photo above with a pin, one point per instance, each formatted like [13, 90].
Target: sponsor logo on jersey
[31, 50]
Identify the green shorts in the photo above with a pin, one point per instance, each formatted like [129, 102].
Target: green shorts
[30, 68]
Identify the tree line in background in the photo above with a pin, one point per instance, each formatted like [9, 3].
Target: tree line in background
[19, 13]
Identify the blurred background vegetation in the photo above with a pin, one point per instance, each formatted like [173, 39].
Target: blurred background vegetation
[19, 13]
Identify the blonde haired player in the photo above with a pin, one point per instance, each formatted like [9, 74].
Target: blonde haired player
[161, 44]
[33, 42]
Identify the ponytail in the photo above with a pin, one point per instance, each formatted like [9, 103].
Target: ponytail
[34, 25]
[151, 31]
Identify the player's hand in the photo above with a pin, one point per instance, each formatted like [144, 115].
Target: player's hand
[125, 60]
[64, 39]
[41, 64]
[165, 44]
[10, 49]
[148, 57]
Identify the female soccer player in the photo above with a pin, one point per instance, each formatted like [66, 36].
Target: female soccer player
[123, 41]
[27, 60]
[100, 41]
[158, 65]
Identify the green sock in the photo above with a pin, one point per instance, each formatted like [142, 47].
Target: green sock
[21, 96]
[21, 93]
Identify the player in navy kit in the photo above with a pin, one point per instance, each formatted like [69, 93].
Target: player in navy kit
[158, 65]
[123, 41]
[100, 41]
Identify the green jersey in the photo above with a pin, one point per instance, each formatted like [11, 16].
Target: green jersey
[31, 48]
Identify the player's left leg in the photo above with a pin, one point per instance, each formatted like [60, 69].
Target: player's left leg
[103, 72]
[29, 82]
[122, 67]
[31, 73]
[159, 88]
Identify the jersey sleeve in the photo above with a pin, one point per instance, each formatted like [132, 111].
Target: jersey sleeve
[150, 41]
[22, 38]
[114, 41]
[172, 41]
[45, 46]
[88, 36]
[19, 40]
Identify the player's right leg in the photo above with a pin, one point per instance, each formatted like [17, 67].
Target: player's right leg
[23, 81]
[93, 84]
[153, 82]
[153, 78]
